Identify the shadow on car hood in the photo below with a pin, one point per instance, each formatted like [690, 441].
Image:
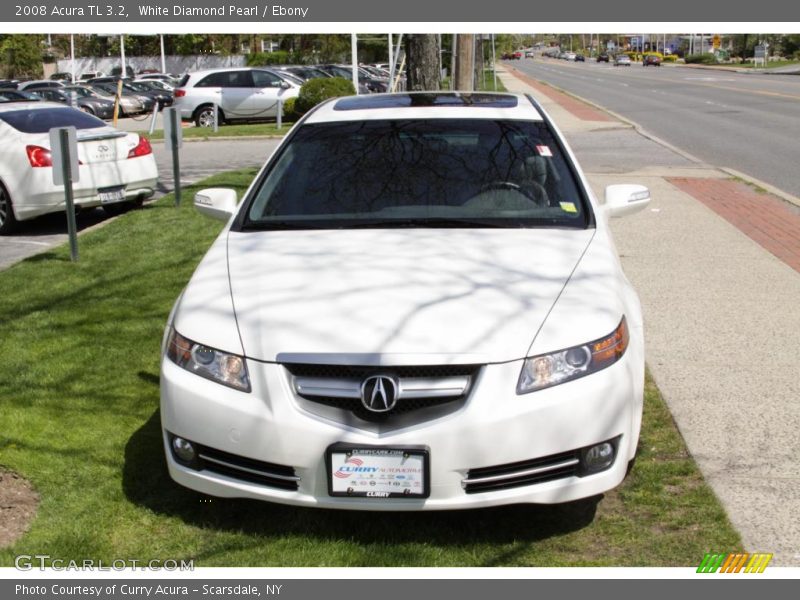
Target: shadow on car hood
[400, 296]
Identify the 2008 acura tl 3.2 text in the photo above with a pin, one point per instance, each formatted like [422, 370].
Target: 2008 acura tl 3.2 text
[417, 305]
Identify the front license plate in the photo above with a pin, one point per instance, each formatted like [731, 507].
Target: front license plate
[111, 195]
[378, 472]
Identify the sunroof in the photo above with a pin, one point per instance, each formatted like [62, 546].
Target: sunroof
[425, 100]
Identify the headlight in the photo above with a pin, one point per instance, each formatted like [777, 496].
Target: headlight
[547, 370]
[224, 368]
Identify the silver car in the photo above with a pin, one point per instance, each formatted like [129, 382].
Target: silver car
[240, 94]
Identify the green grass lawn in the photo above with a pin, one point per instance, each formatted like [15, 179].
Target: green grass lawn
[79, 380]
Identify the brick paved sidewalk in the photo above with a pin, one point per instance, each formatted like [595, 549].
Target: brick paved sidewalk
[763, 218]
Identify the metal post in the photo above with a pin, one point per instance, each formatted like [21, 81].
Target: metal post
[72, 55]
[176, 163]
[72, 228]
[354, 58]
[280, 112]
[494, 65]
[163, 58]
[453, 62]
[391, 58]
[153, 120]
[122, 56]
[216, 117]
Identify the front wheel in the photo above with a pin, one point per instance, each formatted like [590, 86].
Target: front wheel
[7, 220]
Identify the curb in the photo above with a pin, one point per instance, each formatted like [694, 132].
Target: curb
[224, 138]
[771, 189]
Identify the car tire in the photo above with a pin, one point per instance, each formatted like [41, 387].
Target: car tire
[204, 116]
[8, 222]
[88, 110]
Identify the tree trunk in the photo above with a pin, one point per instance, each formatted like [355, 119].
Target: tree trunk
[422, 62]
[465, 60]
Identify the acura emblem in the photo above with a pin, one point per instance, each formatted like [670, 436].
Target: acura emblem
[379, 393]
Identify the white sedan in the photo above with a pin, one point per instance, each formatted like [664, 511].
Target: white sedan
[116, 169]
[416, 306]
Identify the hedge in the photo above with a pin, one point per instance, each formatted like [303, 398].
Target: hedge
[315, 91]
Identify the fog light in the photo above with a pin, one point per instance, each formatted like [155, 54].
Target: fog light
[183, 449]
[599, 457]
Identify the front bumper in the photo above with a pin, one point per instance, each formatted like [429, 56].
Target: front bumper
[493, 427]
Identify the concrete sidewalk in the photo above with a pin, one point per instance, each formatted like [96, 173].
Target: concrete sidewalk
[722, 325]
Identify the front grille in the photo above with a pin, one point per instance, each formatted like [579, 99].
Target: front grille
[246, 469]
[419, 387]
[518, 474]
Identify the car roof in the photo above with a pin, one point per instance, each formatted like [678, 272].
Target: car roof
[426, 105]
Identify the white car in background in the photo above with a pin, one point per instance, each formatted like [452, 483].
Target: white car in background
[416, 306]
[244, 94]
[116, 169]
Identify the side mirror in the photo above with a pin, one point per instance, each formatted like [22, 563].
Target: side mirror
[285, 85]
[625, 199]
[217, 203]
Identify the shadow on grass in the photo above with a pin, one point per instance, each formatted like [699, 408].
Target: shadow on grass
[146, 482]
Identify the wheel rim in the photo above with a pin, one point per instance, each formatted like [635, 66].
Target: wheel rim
[5, 207]
[206, 118]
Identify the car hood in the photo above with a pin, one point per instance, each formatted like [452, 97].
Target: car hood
[397, 296]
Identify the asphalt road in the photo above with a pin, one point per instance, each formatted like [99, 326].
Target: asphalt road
[198, 160]
[745, 121]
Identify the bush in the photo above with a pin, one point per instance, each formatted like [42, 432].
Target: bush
[279, 57]
[670, 58]
[289, 109]
[701, 59]
[315, 91]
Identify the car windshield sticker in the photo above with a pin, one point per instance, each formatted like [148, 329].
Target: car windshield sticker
[568, 207]
[544, 151]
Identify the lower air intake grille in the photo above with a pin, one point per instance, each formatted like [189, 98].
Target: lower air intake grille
[518, 474]
[246, 469]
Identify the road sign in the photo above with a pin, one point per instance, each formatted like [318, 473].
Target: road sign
[57, 155]
[716, 42]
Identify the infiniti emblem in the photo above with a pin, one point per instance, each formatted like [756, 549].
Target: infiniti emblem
[103, 148]
[379, 393]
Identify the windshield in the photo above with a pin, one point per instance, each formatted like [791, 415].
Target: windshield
[44, 119]
[419, 173]
[82, 92]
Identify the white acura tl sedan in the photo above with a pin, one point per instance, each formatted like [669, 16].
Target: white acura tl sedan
[115, 168]
[417, 305]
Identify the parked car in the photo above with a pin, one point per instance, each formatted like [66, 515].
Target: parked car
[580, 57]
[130, 103]
[240, 94]
[157, 84]
[651, 60]
[162, 77]
[570, 56]
[14, 95]
[305, 73]
[62, 76]
[88, 75]
[162, 97]
[622, 60]
[94, 105]
[416, 306]
[9, 84]
[367, 84]
[603, 57]
[116, 168]
[39, 84]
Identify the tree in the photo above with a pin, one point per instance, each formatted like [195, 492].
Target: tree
[21, 55]
[422, 62]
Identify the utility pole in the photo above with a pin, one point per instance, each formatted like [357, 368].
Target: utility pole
[465, 62]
